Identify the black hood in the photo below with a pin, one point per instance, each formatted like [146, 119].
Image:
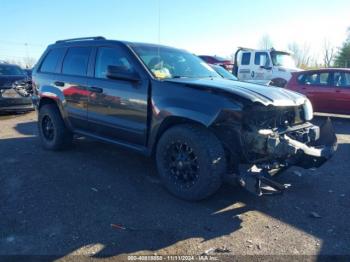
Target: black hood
[265, 95]
[7, 81]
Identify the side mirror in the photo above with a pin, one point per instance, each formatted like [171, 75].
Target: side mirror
[122, 73]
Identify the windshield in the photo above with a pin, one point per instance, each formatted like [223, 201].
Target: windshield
[282, 59]
[223, 72]
[10, 70]
[165, 62]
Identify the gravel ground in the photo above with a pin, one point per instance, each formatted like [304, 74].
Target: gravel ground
[100, 201]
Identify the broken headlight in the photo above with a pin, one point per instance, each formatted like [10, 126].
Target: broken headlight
[308, 110]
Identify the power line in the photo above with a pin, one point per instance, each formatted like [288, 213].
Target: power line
[20, 43]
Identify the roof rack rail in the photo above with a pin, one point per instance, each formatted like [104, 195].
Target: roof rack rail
[81, 38]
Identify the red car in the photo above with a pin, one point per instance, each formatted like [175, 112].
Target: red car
[328, 89]
[217, 60]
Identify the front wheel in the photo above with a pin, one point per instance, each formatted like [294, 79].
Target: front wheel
[191, 162]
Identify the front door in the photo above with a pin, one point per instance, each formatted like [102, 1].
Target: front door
[262, 68]
[117, 109]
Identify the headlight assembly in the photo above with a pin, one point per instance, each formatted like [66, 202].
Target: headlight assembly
[308, 110]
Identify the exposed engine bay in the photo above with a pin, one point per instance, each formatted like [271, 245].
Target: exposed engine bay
[275, 138]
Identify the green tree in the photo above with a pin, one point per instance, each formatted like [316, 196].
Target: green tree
[343, 57]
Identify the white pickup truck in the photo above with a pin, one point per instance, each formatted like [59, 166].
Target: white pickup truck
[266, 67]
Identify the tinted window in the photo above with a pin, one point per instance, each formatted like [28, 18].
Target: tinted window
[108, 56]
[342, 79]
[10, 70]
[258, 57]
[76, 61]
[245, 58]
[50, 62]
[319, 79]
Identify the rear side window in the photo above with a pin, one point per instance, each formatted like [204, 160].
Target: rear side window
[342, 79]
[76, 61]
[315, 79]
[110, 56]
[245, 59]
[51, 60]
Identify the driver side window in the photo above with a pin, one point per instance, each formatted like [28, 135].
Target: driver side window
[110, 56]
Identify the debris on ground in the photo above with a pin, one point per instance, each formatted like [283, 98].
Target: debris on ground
[123, 227]
[315, 215]
[117, 226]
[222, 249]
[258, 246]
[94, 189]
[211, 250]
[249, 241]
[298, 173]
[208, 251]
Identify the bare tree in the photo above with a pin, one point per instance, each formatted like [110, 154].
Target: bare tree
[328, 53]
[265, 42]
[301, 54]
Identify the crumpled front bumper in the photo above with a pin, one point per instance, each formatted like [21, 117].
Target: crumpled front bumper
[286, 152]
[322, 146]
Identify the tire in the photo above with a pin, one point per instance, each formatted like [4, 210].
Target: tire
[278, 82]
[54, 136]
[190, 161]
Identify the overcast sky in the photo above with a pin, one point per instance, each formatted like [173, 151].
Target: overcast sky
[200, 26]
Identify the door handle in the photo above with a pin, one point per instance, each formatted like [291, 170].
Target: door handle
[95, 89]
[59, 83]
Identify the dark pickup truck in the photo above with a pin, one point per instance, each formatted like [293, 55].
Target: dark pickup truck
[167, 103]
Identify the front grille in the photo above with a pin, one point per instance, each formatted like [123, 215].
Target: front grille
[270, 117]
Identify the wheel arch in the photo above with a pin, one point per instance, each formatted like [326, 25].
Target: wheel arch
[168, 123]
[45, 100]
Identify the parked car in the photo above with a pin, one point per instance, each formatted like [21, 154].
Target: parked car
[166, 102]
[266, 67]
[328, 89]
[217, 60]
[224, 73]
[15, 89]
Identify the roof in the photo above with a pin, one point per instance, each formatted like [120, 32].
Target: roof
[323, 70]
[97, 40]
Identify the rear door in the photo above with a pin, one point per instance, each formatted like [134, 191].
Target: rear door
[73, 82]
[341, 84]
[118, 110]
[317, 87]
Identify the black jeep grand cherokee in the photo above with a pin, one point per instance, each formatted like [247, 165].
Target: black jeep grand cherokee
[166, 102]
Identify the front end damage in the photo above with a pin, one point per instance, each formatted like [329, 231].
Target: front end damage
[275, 138]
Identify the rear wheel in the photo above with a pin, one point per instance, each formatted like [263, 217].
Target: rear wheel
[53, 133]
[191, 161]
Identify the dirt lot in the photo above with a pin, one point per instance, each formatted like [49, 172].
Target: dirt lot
[63, 204]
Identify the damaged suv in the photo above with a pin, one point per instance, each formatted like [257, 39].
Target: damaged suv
[167, 103]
